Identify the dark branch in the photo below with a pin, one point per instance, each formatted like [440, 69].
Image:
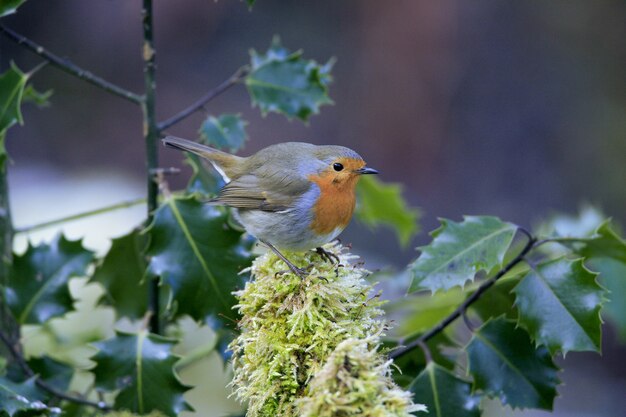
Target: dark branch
[42, 384]
[225, 85]
[69, 67]
[460, 310]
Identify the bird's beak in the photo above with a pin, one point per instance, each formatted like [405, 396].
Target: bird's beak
[365, 170]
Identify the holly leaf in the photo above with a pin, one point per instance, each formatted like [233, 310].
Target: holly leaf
[559, 304]
[19, 398]
[141, 367]
[121, 273]
[12, 83]
[283, 82]
[460, 250]
[198, 255]
[613, 278]
[227, 131]
[505, 364]
[55, 373]
[8, 7]
[37, 287]
[605, 243]
[383, 204]
[500, 301]
[444, 394]
[40, 99]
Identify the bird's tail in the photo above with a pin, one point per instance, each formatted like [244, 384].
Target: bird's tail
[225, 163]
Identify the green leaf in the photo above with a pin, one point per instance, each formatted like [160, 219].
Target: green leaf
[38, 279]
[141, 367]
[460, 250]
[605, 243]
[444, 393]
[613, 278]
[18, 398]
[198, 255]
[505, 364]
[499, 301]
[559, 304]
[383, 204]
[55, 373]
[283, 82]
[12, 83]
[121, 273]
[8, 7]
[33, 96]
[227, 131]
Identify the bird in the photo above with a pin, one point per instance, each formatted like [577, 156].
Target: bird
[292, 196]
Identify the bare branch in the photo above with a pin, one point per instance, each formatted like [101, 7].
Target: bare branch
[210, 95]
[67, 66]
[460, 310]
[42, 384]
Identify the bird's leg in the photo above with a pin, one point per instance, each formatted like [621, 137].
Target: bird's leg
[327, 256]
[298, 271]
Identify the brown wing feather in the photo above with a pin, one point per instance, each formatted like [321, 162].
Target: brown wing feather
[267, 193]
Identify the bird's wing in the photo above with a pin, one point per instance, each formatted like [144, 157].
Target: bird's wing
[275, 192]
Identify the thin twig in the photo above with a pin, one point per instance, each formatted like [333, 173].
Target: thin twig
[69, 67]
[210, 95]
[42, 384]
[468, 301]
[78, 216]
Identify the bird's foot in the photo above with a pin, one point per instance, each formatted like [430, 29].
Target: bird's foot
[327, 256]
[300, 272]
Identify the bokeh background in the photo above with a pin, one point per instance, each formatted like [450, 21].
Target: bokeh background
[515, 109]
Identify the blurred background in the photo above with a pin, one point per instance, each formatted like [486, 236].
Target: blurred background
[514, 109]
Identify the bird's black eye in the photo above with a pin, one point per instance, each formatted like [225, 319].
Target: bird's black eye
[337, 166]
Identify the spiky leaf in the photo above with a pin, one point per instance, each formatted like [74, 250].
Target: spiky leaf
[284, 82]
[8, 7]
[198, 255]
[459, 250]
[55, 373]
[227, 131]
[19, 398]
[38, 289]
[12, 83]
[559, 304]
[505, 364]
[121, 273]
[613, 278]
[604, 243]
[41, 99]
[141, 367]
[444, 394]
[383, 204]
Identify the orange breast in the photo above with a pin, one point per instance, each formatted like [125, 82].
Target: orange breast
[335, 204]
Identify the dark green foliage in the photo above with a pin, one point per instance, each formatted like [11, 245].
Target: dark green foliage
[505, 364]
[444, 393]
[121, 272]
[141, 367]
[559, 304]
[227, 131]
[459, 250]
[38, 279]
[18, 399]
[282, 81]
[198, 256]
[12, 84]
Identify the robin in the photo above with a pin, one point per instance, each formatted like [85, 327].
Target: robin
[294, 196]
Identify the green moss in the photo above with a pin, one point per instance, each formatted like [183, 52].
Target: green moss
[290, 327]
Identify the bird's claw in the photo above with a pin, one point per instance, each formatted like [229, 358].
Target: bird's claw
[327, 256]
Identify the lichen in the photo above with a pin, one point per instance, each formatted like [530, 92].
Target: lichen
[291, 329]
